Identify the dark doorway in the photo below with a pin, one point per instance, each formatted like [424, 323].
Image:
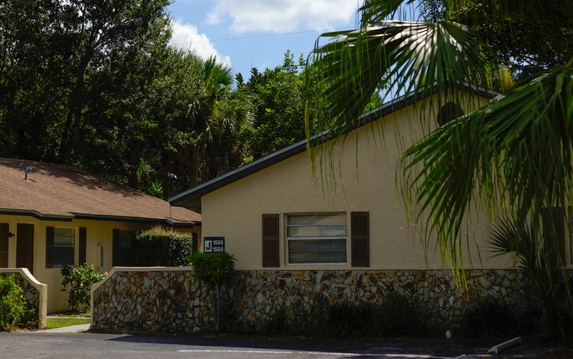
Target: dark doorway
[25, 247]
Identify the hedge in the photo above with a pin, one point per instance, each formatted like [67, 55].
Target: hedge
[163, 247]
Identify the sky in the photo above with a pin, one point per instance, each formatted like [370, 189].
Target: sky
[256, 33]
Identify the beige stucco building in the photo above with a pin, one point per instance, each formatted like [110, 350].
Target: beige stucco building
[59, 215]
[275, 214]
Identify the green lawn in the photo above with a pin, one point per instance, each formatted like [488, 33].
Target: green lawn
[60, 322]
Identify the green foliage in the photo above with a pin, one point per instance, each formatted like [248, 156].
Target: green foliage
[81, 280]
[490, 319]
[495, 157]
[112, 97]
[277, 323]
[213, 269]
[539, 258]
[13, 304]
[278, 107]
[401, 316]
[163, 247]
[54, 323]
[156, 189]
[397, 315]
[528, 36]
[346, 319]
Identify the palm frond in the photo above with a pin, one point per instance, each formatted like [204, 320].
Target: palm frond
[405, 57]
[514, 153]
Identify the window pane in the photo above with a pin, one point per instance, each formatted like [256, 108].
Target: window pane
[317, 257]
[319, 238]
[317, 231]
[63, 242]
[317, 219]
[64, 237]
[64, 232]
[317, 245]
[63, 255]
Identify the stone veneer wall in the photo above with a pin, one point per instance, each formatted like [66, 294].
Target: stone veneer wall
[171, 300]
[31, 294]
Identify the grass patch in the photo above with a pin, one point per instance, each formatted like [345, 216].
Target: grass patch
[60, 322]
[72, 313]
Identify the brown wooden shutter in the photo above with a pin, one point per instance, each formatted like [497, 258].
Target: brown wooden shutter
[116, 254]
[271, 240]
[195, 243]
[360, 239]
[25, 246]
[83, 239]
[4, 237]
[49, 247]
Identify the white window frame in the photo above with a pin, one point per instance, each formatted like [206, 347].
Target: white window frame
[290, 239]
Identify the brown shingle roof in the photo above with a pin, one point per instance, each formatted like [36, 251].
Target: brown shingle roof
[64, 192]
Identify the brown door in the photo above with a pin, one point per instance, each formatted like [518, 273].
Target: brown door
[25, 247]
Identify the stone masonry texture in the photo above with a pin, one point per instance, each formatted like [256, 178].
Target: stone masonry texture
[174, 301]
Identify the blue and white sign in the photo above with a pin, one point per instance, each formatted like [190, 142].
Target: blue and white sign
[214, 244]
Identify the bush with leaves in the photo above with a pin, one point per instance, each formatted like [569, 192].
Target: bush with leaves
[490, 319]
[81, 280]
[401, 316]
[13, 304]
[163, 247]
[397, 315]
[214, 270]
[346, 319]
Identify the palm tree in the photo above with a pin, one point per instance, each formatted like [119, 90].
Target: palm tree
[514, 153]
[218, 114]
[199, 116]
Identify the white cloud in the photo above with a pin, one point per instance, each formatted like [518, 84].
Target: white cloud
[187, 36]
[280, 16]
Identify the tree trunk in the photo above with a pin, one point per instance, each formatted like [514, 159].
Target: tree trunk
[218, 308]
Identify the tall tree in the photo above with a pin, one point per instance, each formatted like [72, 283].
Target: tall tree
[55, 55]
[277, 97]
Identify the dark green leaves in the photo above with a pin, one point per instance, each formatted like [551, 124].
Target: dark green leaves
[405, 57]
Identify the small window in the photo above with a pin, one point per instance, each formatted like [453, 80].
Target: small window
[317, 238]
[64, 246]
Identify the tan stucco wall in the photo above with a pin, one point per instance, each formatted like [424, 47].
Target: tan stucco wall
[98, 233]
[235, 210]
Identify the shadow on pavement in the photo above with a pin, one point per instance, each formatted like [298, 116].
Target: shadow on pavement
[365, 348]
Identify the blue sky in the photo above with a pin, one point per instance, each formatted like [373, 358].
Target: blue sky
[247, 33]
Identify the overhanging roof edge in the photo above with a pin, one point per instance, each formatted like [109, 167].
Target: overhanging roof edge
[191, 195]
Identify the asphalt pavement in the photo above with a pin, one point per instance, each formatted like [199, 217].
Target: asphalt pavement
[76, 342]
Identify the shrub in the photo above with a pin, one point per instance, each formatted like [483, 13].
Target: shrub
[214, 270]
[397, 315]
[81, 280]
[163, 247]
[489, 319]
[12, 302]
[345, 319]
[277, 323]
[306, 316]
[400, 316]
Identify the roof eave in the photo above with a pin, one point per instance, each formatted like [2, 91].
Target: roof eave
[69, 218]
[192, 197]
